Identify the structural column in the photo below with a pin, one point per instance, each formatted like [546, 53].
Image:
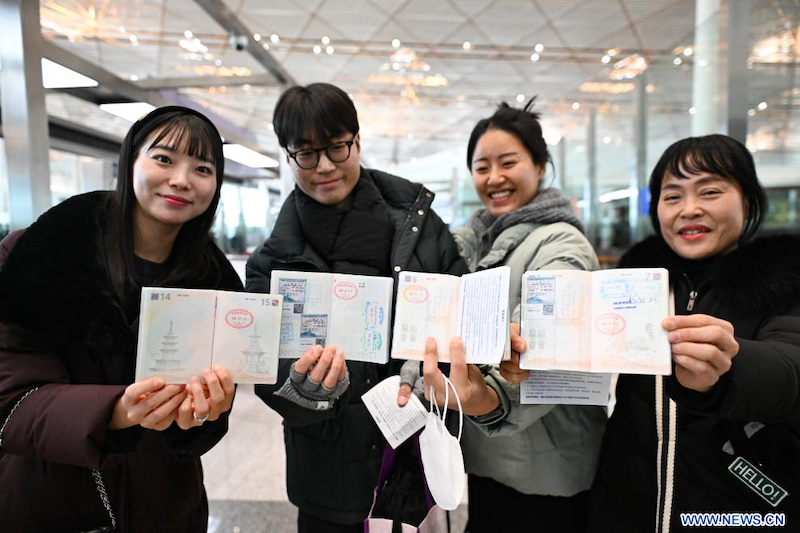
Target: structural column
[721, 51]
[638, 182]
[590, 188]
[24, 114]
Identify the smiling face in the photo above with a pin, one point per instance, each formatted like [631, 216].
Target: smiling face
[702, 216]
[504, 173]
[171, 187]
[328, 183]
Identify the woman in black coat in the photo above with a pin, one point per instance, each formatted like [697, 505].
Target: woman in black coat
[722, 433]
[82, 446]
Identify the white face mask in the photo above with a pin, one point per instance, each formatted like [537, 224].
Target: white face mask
[441, 454]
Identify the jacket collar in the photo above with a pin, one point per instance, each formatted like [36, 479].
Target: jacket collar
[287, 243]
[762, 276]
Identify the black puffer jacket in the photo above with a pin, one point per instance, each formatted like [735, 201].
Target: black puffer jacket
[657, 463]
[67, 353]
[333, 456]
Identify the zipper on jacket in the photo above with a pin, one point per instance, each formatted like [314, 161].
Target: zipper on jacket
[3, 428]
[693, 294]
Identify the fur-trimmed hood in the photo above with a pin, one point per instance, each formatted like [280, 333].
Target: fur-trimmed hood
[762, 276]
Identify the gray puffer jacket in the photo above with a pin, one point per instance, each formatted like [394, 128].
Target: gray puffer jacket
[537, 449]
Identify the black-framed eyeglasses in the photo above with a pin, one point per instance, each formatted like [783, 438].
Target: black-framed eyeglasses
[308, 158]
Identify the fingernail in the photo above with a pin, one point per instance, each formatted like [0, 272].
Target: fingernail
[668, 323]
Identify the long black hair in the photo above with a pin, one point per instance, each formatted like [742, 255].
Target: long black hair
[190, 259]
[715, 154]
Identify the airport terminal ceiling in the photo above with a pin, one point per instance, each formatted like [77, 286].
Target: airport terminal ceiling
[422, 72]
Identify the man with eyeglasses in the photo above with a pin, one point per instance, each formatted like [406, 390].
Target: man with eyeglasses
[341, 217]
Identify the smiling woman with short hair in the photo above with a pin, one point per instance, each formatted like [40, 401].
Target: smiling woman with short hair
[695, 441]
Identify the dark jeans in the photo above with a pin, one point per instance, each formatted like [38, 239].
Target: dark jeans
[311, 524]
[495, 507]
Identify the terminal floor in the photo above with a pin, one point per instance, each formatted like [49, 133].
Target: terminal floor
[245, 474]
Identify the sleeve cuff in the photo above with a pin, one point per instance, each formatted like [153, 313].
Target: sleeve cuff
[502, 410]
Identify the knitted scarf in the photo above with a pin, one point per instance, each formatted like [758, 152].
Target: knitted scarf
[353, 241]
[549, 206]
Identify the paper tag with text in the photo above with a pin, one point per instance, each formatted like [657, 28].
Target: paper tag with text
[396, 423]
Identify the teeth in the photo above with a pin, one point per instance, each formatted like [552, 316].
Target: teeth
[502, 194]
[693, 232]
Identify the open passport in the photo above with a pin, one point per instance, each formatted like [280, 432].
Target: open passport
[603, 321]
[184, 331]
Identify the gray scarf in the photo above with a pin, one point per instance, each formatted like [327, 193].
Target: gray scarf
[549, 206]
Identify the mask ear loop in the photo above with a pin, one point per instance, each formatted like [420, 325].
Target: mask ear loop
[448, 385]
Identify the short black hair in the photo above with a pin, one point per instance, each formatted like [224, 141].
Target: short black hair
[314, 113]
[715, 154]
[523, 123]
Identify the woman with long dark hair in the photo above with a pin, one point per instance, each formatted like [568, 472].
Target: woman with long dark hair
[82, 446]
[721, 435]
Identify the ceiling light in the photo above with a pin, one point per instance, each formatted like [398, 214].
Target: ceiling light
[257, 37]
[329, 49]
[576, 105]
[134, 77]
[613, 52]
[467, 45]
[130, 111]
[692, 110]
[133, 39]
[534, 57]
[520, 97]
[688, 51]
[677, 61]
[55, 76]
[606, 58]
[317, 49]
[326, 40]
[396, 43]
[751, 113]
[552, 137]
[762, 106]
[218, 62]
[617, 195]
[539, 47]
[265, 45]
[121, 29]
[274, 38]
[762, 145]
[247, 157]
[188, 34]
[606, 140]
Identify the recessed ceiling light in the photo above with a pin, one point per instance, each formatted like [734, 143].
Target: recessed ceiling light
[130, 111]
[539, 47]
[467, 45]
[55, 76]
[246, 156]
[396, 43]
